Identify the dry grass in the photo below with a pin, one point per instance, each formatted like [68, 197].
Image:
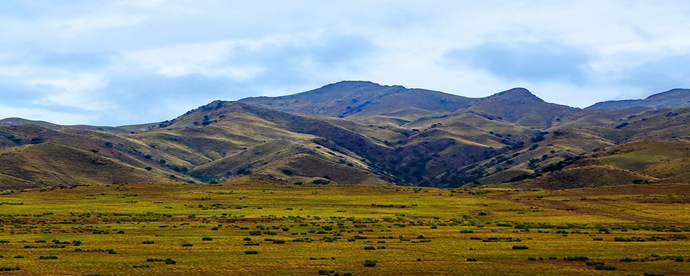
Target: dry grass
[175, 214]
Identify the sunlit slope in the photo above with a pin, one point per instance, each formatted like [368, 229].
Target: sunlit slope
[50, 164]
[630, 163]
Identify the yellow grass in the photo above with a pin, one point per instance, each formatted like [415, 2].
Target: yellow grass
[172, 215]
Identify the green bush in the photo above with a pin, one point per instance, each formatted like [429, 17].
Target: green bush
[605, 267]
[520, 247]
[251, 252]
[48, 257]
[206, 239]
[370, 263]
[9, 268]
[187, 245]
[369, 248]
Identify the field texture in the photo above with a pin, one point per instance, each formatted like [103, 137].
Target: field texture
[233, 229]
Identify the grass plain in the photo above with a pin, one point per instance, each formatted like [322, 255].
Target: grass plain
[263, 229]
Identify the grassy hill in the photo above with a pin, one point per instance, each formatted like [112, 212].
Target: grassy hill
[630, 163]
[50, 164]
[363, 133]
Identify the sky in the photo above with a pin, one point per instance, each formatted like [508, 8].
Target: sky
[121, 62]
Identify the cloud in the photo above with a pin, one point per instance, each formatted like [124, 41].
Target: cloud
[545, 61]
[129, 62]
[659, 75]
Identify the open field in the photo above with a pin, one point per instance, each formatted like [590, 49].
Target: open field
[334, 229]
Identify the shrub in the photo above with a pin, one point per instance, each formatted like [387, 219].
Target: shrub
[369, 248]
[148, 242]
[605, 267]
[170, 261]
[520, 247]
[580, 258]
[250, 252]
[187, 245]
[139, 266]
[48, 257]
[471, 259]
[206, 239]
[9, 268]
[531, 258]
[370, 263]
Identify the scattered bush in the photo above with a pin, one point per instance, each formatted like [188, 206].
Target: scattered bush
[251, 252]
[605, 267]
[370, 263]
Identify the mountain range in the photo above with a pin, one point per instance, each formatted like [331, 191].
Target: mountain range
[356, 132]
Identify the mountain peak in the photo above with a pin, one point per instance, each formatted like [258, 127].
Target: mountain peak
[516, 96]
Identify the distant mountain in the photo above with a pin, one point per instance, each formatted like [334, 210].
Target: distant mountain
[360, 98]
[357, 132]
[675, 97]
[18, 121]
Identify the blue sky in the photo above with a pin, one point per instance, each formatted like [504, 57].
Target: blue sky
[124, 62]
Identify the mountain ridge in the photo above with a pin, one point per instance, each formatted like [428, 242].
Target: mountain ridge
[673, 97]
[349, 132]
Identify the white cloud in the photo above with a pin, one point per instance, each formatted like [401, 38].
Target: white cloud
[75, 26]
[41, 114]
[200, 58]
[278, 47]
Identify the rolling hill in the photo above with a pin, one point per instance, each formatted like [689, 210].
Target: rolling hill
[359, 133]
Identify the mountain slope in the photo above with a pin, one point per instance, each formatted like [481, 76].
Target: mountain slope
[50, 164]
[630, 163]
[354, 133]
[674, 97]
[349, 98]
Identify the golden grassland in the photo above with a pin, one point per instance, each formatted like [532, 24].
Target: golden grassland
[334, 229]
